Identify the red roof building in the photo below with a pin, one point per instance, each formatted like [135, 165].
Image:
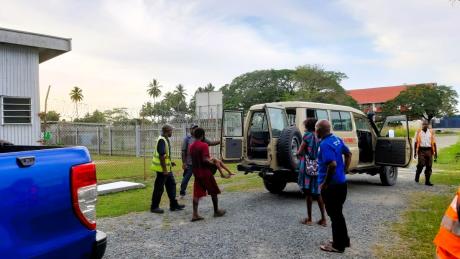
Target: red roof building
[373, 99]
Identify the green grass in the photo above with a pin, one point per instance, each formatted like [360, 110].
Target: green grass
[117, 204]
[120, 167]
[420, 221]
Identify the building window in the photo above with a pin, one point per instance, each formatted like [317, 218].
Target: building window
[16, 110]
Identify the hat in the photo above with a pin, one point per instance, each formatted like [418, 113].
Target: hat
[193, 126]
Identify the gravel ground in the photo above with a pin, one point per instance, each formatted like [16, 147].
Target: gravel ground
[262, 225]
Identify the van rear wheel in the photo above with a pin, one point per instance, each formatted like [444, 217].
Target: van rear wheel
[388, 175]
[274, 186]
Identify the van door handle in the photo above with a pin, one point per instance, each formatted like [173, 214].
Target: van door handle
[25, 161]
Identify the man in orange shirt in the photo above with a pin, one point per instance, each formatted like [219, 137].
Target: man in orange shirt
[447, 240]
[425, 149]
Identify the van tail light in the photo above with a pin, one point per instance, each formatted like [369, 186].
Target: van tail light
[84, 193]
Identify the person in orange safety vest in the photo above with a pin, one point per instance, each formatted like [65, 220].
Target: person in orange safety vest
[425, 149]
[447, 240]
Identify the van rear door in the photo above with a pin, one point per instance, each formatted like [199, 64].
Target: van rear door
[393, 146]
[232, 140]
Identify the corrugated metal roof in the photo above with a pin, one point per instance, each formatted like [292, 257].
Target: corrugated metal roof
[380, 94]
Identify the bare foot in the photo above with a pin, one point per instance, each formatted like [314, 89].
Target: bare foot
[322, 222]
[196, 218]
[306, 221]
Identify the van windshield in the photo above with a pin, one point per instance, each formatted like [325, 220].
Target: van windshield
[278, 121]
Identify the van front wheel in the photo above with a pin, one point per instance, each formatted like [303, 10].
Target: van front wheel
[274, 186]
[388, 175]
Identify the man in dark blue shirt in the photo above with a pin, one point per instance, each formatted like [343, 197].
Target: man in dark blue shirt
[333, 184]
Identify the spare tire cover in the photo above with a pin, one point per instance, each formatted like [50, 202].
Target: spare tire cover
[288, 143]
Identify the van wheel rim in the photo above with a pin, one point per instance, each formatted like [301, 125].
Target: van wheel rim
[392, 172]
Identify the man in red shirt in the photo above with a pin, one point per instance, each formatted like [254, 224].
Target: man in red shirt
[205, 183]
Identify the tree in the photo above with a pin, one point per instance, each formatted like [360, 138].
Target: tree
[180, 91]
[259, 86]
[117, 116]
[305, 83]
[424, 101]
[314, 84]
[96, 117]
[154, 89]
[76, 95]
[50, 116]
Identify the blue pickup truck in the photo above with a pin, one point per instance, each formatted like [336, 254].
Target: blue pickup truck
[48, 203]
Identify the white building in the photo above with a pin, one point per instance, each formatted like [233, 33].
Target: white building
[20, 56]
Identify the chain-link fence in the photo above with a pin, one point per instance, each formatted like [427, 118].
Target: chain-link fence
[125, 151]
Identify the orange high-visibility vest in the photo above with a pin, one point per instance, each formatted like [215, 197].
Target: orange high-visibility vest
[448, 238]
[419, 140]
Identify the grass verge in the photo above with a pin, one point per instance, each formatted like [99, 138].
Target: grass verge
[420, 221]
[117, 204]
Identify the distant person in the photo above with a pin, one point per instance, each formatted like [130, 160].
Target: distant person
[205, 183]
[187, 159]
[447, 240]
[425, 148]
[308, 171]
[333, 184]
[162, 165]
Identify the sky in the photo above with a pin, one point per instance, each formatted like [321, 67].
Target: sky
[119, 46]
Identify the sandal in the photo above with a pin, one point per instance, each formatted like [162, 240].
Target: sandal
[307, 222]
[330, 248]
[219, 213]
[330, 242]
[322, 223]
[197, 219]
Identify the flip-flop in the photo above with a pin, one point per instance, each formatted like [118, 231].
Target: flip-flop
[197, 219]
[324, 224]
[329, 248]
[306, 222]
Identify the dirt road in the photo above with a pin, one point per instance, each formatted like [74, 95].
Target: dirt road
[263, 225]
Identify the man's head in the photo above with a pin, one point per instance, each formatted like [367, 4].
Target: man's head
[166, 130]
[323, 128]
[425, 125]
[193, 126]
[199, 133]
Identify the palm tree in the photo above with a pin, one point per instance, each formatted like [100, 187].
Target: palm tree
[180, 91]
[76, 95]
[209, 88]
[154, 89]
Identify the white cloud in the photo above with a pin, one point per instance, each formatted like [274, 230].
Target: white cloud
[419, 40]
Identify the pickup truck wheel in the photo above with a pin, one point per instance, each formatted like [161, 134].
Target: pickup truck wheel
[288, 143]
[274, 186]
[388, 175]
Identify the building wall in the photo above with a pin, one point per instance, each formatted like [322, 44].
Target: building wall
[19, 78]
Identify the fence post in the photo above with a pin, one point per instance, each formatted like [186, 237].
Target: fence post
[58, 134]
[110, 140]
[98, 140]
[138, 141]
[76, 136]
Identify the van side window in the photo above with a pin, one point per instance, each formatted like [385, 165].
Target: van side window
[291, 116]
[361, 123]
[341, 121]
[317, 114]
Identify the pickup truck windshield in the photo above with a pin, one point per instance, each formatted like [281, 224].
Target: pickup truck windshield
[278, 121]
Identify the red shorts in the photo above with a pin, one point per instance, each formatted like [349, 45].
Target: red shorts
[205, 184]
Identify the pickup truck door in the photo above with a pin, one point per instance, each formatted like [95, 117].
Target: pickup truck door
[393, 146]
[232, 138]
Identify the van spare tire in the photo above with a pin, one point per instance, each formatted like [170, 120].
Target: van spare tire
[288, 143]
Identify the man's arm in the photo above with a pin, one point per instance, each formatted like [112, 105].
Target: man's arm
[162, 152]
[347, 161]
[212, 143]
[184, 152]
[331, 167]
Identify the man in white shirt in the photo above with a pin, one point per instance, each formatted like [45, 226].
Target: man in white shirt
[425, 149]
